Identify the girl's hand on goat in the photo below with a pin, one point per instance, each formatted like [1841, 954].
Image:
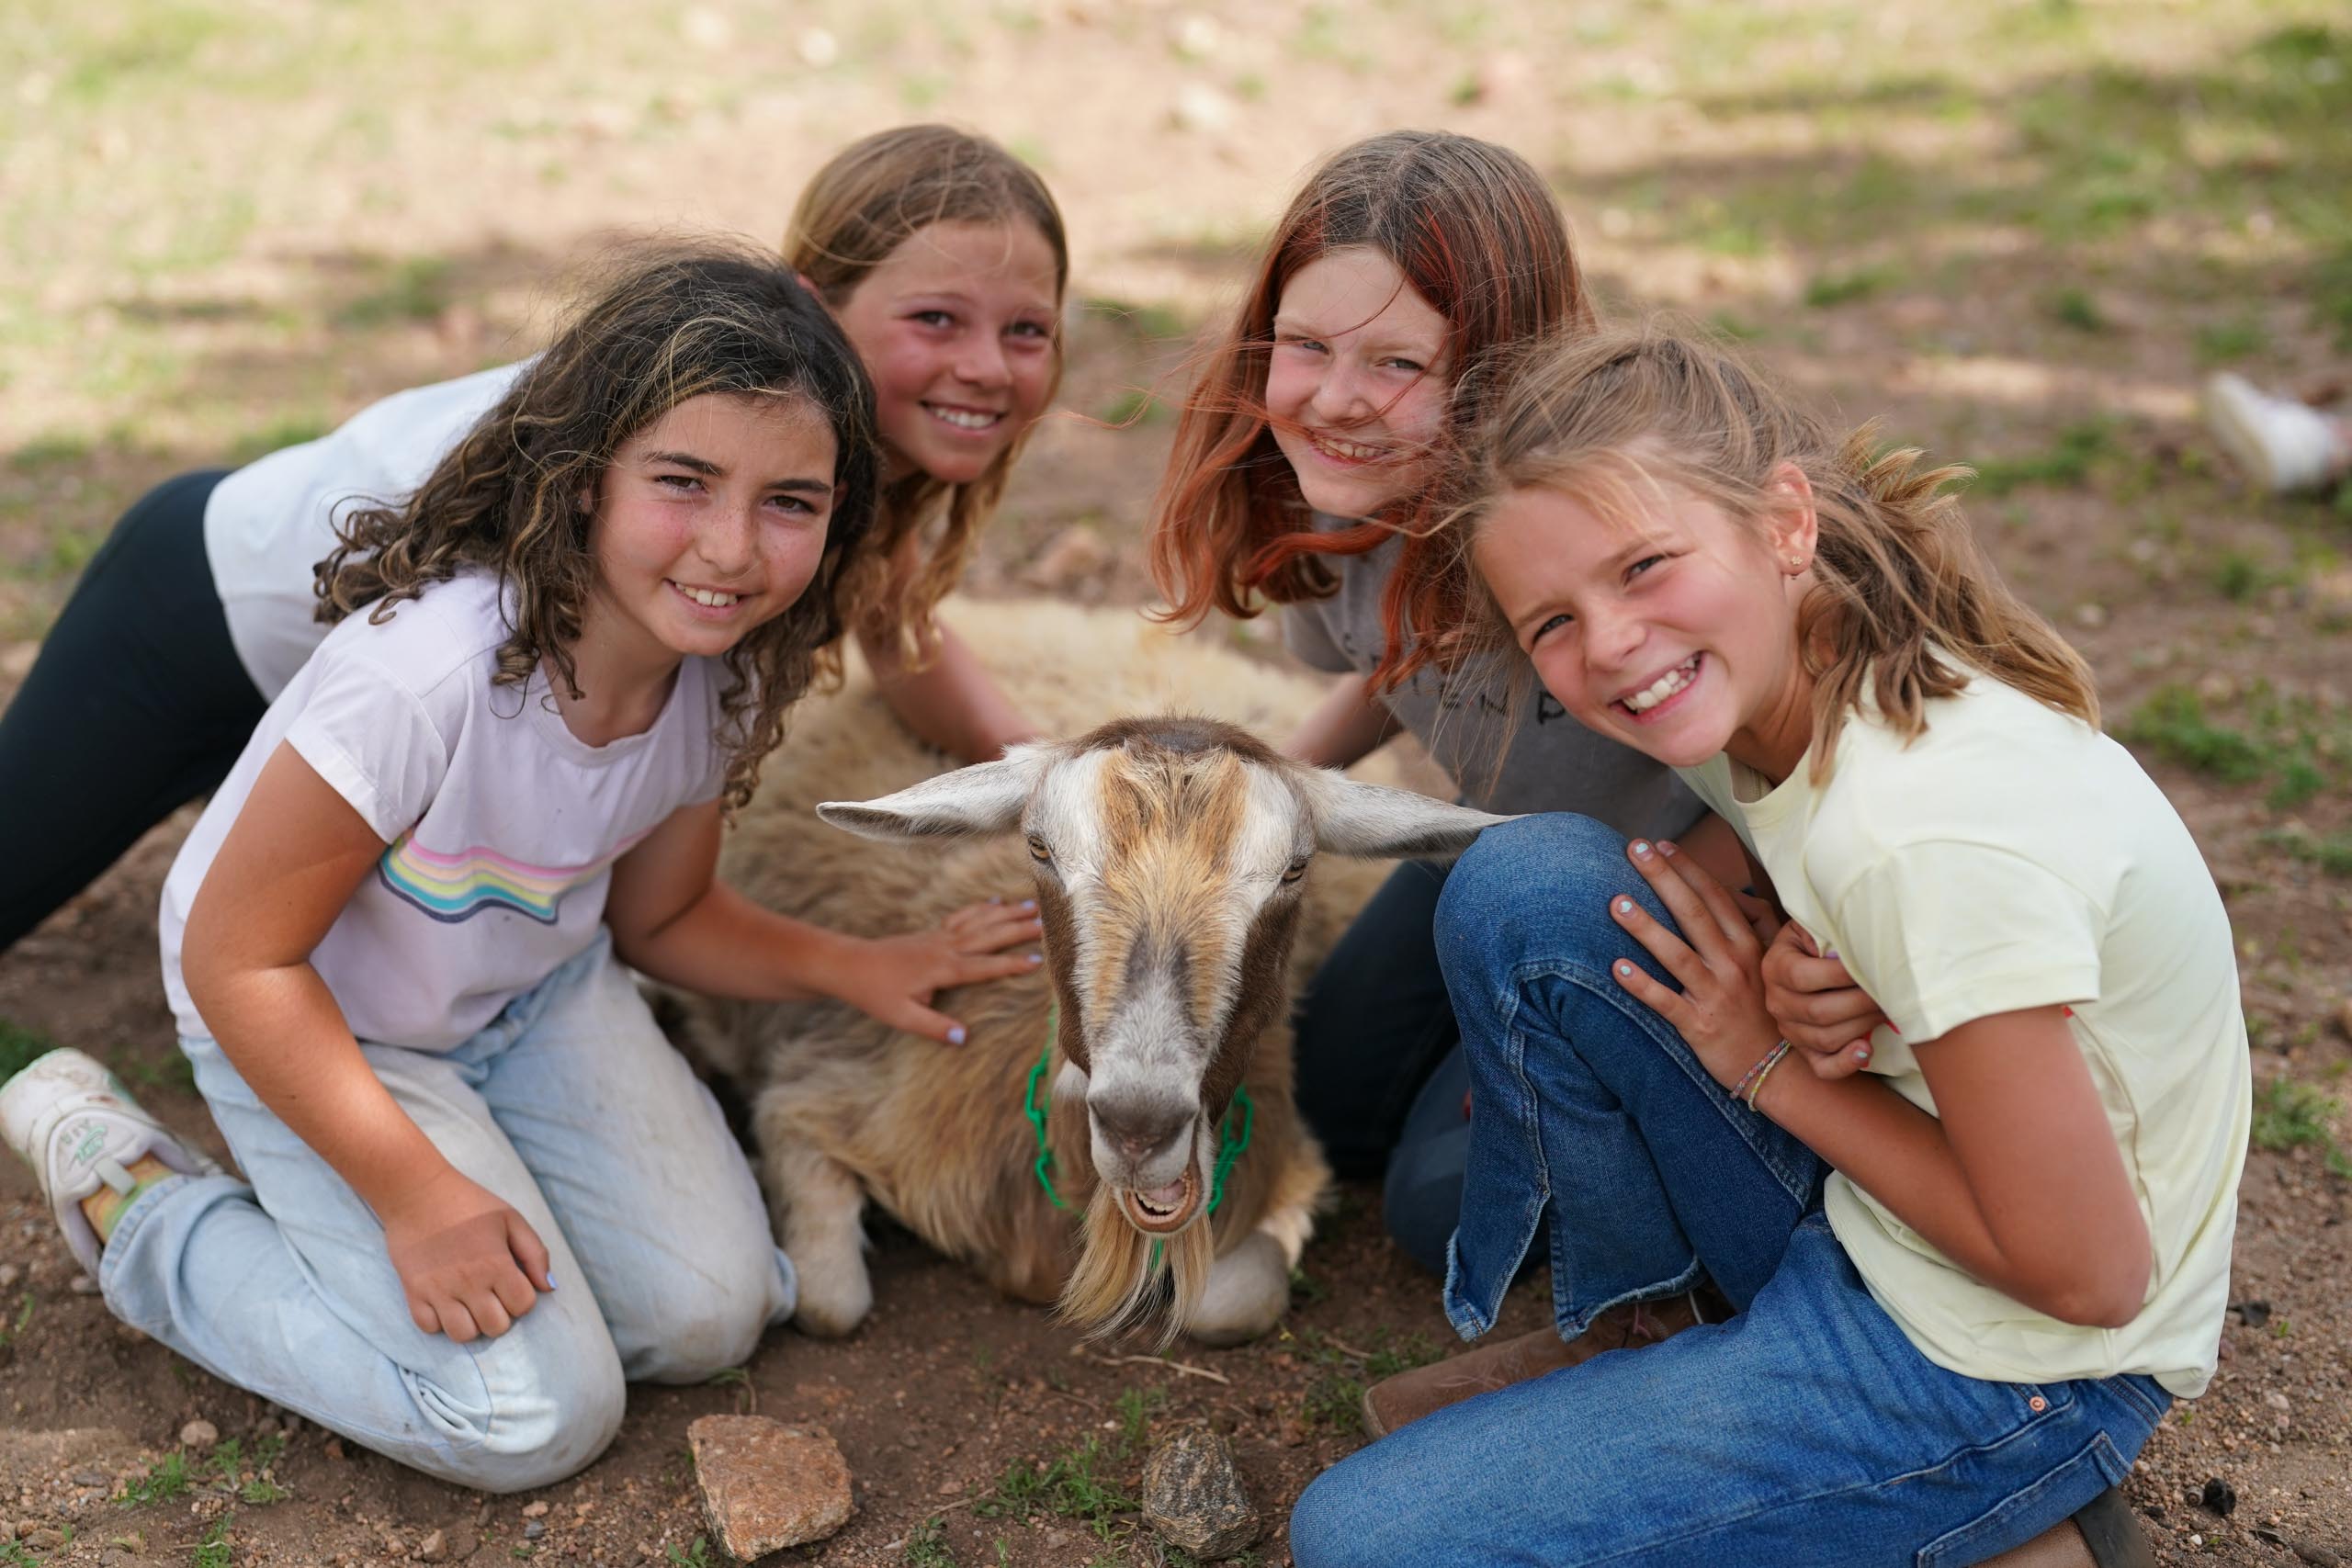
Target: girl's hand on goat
[894, 978]
[1819, 1009]
[1716, 958]
[469, 1264]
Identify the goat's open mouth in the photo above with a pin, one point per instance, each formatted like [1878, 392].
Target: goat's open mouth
[1163, 1210]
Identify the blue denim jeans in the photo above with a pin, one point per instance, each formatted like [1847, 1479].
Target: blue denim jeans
[570, 1106]
[1805, 1432]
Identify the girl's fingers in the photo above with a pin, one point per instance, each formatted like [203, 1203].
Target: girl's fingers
[996, 966]
[421, 1313]
[1697, 923]
[1006, 928]
[530, 1255]
[1661, 999]
[514, 1293]
[457, 1322]
[1658, 942]
[929, 1022]
[490, 1313]
[1737, 928]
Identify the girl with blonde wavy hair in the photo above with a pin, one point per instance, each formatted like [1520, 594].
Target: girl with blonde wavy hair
[481, 1190]
[1969, 1277]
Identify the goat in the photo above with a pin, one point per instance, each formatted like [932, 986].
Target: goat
[1172, 859]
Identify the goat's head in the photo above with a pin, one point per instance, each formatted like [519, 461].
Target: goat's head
[1168, 855]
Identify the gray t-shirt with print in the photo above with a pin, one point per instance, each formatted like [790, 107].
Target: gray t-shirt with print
[1553, 763]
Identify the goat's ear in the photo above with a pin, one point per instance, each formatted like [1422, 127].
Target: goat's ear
[985, 797]
[1367, 820]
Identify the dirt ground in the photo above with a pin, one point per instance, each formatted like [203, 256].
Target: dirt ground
[2020, 233]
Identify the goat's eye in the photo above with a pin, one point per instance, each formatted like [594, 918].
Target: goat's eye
[1038, 851]
[1295, 870]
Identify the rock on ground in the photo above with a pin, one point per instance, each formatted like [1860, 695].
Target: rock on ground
[1193, 1498]
[766, 1485]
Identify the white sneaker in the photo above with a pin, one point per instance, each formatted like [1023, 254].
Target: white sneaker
[2281, 444]
[79, 1129]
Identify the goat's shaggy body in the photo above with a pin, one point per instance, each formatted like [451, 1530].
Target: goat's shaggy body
[848, 1109]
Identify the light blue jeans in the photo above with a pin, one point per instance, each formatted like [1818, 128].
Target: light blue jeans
[1805, 1432]
[572, 1107]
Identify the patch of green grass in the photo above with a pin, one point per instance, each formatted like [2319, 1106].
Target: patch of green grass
[1842, 287]
[2219, 341]
[697, 1553]
[1071, 1485]
[17, 1554]
[1334, 1397]
[1135, 1406]
[2074, 308]
[2294, 743]
[2330, 291]
[213, 1551]
[15, 1327]
[2290, 1116]
[18, 1046]
[53, 451]
[928, 1548]
[415, 288]
[164, 1482]
[2332, 854]
[2066, 463]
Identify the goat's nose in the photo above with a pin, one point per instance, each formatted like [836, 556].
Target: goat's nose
[1139, 1128]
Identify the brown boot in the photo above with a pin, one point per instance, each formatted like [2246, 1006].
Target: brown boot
[2102, 1534]
[1394, 1402]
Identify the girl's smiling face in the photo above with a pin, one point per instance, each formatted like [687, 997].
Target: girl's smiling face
[1676, 635]
[956, 328]
[1357, 382]
[709, 521]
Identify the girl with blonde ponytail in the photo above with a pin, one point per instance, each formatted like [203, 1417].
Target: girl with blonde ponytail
[1968, 1278]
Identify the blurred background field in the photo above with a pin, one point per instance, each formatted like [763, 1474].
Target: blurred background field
[2021, 231]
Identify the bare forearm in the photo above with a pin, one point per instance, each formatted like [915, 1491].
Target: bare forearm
[1346, 726]
[952, 702]
[283, 1032]
[723, 944]
[1902, 1157]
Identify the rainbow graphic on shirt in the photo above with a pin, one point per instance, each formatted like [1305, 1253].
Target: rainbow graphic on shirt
[454, 888]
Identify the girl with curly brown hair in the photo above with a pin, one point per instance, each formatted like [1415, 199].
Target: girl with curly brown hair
[400, 941]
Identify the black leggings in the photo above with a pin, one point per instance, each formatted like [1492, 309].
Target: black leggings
[137, 704]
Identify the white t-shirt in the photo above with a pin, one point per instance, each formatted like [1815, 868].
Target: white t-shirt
[2012, 857]
[266, 525]
[501, 826]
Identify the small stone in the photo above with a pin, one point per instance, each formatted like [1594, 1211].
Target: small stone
[44, 1538]
[2318, 1556]
[334, 1447]
[2254, 1315]
[1202, 108]
[92, 1478]
[534, 1529]
[2344, 1017]
[535, 1510]
[9, 1275]
[434, 1547]
[1193, 1498]
[199, 1434]
[818, 48]
[83, 1285]
[2220, 1496]
[766, 1485]
[2090, 616]
[2277, 1402]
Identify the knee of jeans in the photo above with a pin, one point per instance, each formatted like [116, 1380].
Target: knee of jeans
[701, 1330]
[1550, 866]
[1333, 1524]
[552, 1411]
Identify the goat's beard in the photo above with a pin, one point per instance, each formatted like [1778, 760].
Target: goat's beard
[1119, 1284]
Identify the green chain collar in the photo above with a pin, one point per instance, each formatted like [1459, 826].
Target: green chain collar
[1230, 1144]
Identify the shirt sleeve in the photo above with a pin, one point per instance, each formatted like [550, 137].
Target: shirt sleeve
[370, 737]
[1944, 933]
[1308, 636]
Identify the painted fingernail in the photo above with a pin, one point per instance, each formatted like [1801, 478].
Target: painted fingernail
[1641, 846]
[1624, 906]
[996, 897]
[1626, 969]
[1828, 953]
[1863, 1055]
[549, 1278]
[955, 1035]
[1036, 958]
[1029, 902]
[1664, 848]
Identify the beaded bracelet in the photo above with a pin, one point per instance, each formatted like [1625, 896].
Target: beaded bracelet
[1753, 1083]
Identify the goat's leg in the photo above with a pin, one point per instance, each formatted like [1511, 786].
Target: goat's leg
[818, 1205]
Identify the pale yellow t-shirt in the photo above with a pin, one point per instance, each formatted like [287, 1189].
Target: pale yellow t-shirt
[2013, 857]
